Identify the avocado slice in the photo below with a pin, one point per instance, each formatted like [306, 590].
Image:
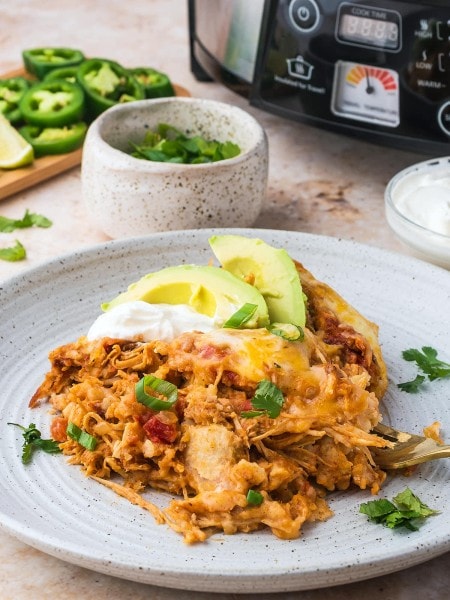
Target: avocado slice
[209, 290]
[273, 270]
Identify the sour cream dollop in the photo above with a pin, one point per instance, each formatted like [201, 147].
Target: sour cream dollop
[164, 322]
[424, 198]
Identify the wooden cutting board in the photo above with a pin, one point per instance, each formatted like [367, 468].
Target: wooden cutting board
[16, 180]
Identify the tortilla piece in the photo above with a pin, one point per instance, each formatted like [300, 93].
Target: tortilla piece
[349, 337]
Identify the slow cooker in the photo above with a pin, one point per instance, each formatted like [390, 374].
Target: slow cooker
[375, 69]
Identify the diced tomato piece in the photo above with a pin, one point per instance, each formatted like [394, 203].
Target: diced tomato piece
[209, 352]
[230, 378]
[158, 432]
[142, 419]
[58, 429]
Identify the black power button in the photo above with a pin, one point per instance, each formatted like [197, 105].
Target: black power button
[304, 14]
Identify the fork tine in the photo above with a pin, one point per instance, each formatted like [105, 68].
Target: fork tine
[406, 449]
[395, 435]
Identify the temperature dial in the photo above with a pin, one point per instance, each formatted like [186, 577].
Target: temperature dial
[366, 93]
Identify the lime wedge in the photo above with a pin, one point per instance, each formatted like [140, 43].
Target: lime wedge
[15, 151]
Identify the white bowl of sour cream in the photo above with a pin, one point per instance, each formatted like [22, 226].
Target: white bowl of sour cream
[417, 203]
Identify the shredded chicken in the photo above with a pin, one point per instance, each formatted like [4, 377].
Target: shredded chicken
[205, 449]
[209, 449]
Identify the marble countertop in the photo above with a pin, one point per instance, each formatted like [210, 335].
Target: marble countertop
[319, 182]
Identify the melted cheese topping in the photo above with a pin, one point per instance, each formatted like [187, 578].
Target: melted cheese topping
[254, 353]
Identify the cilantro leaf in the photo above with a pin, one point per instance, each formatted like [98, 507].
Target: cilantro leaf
[230, 150]
[377, 510]
[412, 386]
[168, 144]
[33, 441]
[428, 362]
[268, 399]
[13, 253]
[397, 519]
[405, 510]
[407, 500]
[28, 220]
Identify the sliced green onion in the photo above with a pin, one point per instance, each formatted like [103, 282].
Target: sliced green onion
[165, 388]
[241, 316]
[287, 331]
[84, 438]
[254, 498]
[268, 399]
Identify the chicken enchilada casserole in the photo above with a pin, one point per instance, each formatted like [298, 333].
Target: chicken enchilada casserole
[246, 417]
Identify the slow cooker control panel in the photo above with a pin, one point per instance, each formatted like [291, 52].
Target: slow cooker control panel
[373, 66]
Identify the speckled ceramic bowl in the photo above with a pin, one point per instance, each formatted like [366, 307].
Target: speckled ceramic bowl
[127, 196]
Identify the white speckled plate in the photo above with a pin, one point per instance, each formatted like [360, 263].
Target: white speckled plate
[53, 507]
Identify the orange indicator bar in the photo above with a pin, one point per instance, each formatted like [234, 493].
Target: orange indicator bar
[359, 72]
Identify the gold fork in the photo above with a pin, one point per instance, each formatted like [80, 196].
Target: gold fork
[407, 450]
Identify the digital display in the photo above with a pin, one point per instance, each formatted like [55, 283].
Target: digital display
[367, 26]
[372, 32]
